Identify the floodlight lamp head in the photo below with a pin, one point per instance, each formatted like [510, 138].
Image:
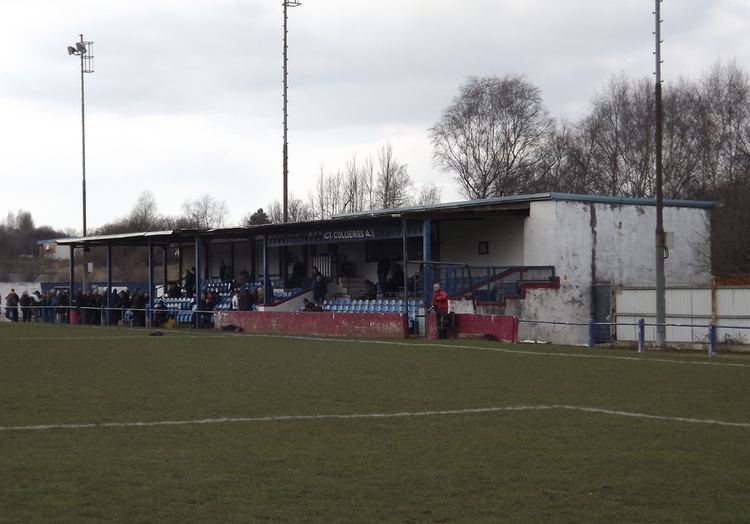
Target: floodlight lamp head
[71, 50]
[292, 3]
[81, 47]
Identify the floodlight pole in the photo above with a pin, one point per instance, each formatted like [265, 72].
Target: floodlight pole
[287, 4]
[83, 143]
[661, 329]
[83, 50]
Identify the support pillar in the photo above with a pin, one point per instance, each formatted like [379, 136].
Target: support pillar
[253, 255]
[198, 305]
[198, 274]
[179, 261]
[71, 294]
[284, 265]
[109, 284]
[306, 262]
[165, 273]
[207, 271]
[427, 257]
[267, 291]
[405, 259]
[150, 303]
[231, 260]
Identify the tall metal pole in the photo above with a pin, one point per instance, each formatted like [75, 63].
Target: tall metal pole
[661, 330]
[83, 145]
[287, 4]
[286, 145]
[83, 167]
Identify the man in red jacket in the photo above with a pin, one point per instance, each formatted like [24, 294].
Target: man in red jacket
[440, 305]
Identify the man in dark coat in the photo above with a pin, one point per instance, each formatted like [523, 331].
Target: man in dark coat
[11, 306]
[25, 303]
[139, 305]
[189, 282]
[320, 288]
[298, 273]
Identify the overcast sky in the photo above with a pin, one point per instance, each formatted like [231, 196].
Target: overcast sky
[186, 97]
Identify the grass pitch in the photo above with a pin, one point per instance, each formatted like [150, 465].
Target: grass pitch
[454, 465]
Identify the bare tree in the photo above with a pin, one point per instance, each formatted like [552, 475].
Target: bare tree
[328, 196]
[393, 181]
[706, 137]
[681, 131]
[368, 176]
[24, 222]
[354, 187]
[144, 216]
[318, 198]
[275, 213]
[426, 195]
[491, 137]
[723, 121]
[297, 211]
[619, 131]
[205, 212]
[563, 166]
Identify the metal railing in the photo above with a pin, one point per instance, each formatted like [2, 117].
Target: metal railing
[64, 314]
[489, 283]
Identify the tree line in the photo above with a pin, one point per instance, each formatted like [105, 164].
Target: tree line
[497, 138]
[18, 246]
[379, 181]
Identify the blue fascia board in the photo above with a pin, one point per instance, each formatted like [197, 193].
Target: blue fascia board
[599, 199]
[534, 197]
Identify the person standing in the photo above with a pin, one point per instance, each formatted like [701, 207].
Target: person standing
[139, 308]
[189, 282]
[36, 300]
[243, 300]
[11, 306]
[384, 266]
[222, 270]
[440, 306]
[298, 273]
[320, 288]
[25, 303]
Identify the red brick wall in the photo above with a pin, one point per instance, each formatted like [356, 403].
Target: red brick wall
[504, 328]
[366, 325]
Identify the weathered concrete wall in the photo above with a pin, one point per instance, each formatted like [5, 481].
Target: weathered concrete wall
[625, 249]
[467, 325]
[364, 325]
[590, 243]
[559, 236]
[459, 241]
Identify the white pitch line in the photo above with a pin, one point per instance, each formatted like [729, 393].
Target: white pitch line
[505, 350]
[404, 344]
[403, 414]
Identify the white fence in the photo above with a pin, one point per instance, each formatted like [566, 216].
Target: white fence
[689, 312]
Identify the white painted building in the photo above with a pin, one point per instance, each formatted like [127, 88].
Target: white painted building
[605, 241]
